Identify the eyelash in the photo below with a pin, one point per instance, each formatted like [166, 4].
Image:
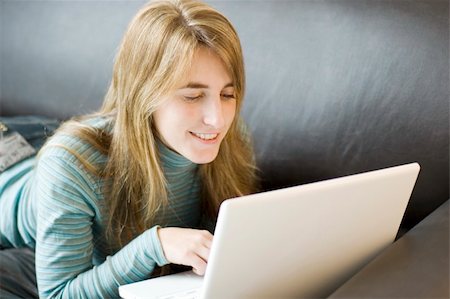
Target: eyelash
[228, 96]
[192, 99]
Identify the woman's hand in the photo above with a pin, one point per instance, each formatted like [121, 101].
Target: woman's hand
[185, 246]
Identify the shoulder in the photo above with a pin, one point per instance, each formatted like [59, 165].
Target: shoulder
[68, 171]
[73, 147]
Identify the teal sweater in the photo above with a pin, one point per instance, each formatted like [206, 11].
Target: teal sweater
[53, 204]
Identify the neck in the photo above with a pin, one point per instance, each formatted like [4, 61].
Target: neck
[173, 161]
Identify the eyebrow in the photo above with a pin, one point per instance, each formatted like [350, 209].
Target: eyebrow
[201, 85]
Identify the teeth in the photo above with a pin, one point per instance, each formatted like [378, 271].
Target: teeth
[205, 136]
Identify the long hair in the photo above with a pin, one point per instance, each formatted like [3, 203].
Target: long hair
[155, 54]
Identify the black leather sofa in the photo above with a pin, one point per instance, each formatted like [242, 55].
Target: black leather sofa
[335, 87]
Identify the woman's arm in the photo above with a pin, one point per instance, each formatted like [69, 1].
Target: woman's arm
[67, 205]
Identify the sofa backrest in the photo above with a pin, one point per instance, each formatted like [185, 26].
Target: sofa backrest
[333, 87]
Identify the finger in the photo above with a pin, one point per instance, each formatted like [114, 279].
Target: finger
[198, 265]
[208, 243]
[207, 238]
[203, 253]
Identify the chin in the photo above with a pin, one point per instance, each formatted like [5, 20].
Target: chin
[203, 158]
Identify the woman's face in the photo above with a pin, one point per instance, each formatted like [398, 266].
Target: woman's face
[196, 117]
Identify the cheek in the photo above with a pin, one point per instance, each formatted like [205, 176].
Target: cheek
[174, 118]
[164, 120]
[189, 116]
[156, 120]
[229, 111]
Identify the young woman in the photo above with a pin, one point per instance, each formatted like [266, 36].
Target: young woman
[113, 195]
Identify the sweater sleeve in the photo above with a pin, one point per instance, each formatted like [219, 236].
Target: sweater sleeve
[65, 243]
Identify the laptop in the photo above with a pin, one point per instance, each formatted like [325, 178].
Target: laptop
[297, 242]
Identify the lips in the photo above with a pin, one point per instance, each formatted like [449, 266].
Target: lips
[205, 136]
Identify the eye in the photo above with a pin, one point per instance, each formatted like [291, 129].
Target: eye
[228, 96]
[192, 98]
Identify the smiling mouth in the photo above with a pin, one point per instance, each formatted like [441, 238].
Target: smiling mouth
[205, 136]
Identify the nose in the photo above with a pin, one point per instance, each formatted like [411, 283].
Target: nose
[213, 113]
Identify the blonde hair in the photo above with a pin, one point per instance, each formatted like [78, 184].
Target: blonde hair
[155, 54]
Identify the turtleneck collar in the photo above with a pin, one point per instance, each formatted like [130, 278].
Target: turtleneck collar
[173, 161]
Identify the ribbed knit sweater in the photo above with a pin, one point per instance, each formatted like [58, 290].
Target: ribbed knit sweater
[55, 205]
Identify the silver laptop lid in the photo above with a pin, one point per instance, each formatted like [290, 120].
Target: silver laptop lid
[305, 241]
